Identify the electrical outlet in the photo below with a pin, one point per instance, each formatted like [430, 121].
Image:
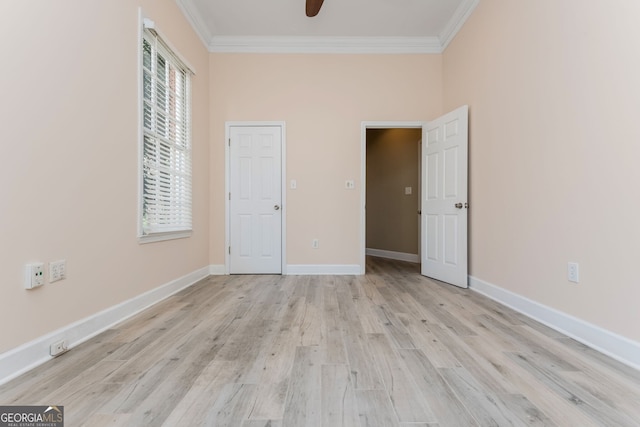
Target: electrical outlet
[57, 270]
[315, 243]
[573, 272]
[34, 275]
[57, 348]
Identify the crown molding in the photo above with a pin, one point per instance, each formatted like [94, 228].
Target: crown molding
[460, 16]
[192, 15]
[326, 44]
[372, 45]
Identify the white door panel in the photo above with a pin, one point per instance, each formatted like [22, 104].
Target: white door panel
[255, 216]
[444, 202]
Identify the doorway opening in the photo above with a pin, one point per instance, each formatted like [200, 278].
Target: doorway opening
[391, 190]
[393, 193]
[442, 197]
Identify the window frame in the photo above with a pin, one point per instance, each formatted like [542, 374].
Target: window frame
[182, 229]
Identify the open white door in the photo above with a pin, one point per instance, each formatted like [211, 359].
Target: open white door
[255, 214]
[444, 198]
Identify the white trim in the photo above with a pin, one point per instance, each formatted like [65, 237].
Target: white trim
[27, 356]
[283, 191]
[325, 44]
[323, 269]
[227, 189]
[462, 13]
[139, 211]
[400, 256]
[607, 342]
[217, 270]
[283, 195]
[159, 237]
[195, 20]
[363, 175]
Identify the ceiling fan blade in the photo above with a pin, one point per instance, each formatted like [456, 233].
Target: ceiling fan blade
[313, 7]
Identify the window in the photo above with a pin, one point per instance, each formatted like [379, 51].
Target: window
[166, 142]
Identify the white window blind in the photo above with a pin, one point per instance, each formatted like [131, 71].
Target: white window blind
[166, 140]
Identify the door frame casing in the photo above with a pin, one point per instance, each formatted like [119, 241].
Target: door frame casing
[363, 177]
[227, 187]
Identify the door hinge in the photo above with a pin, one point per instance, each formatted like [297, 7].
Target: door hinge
[229, 250]
[229, 195]
[229, 142]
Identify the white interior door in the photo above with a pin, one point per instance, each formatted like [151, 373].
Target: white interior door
[444, 198]
[255, 187]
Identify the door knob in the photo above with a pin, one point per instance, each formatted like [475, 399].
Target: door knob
[459, 205]
[276, 207]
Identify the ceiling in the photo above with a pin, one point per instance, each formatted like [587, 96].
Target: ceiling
[342, 26]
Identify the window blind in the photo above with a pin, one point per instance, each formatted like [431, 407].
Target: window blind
[166, 140]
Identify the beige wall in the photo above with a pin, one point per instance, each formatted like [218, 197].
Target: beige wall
[392, 165]
[554, 95]
[323, 99]
[69, 108]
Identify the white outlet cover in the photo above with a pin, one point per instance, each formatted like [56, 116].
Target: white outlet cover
[573, 272]
[408, 190]
[34, 275]
[57, 348]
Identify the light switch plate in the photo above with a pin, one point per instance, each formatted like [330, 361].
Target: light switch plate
[57, 270]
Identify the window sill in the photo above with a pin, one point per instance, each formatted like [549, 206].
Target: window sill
[159, 237]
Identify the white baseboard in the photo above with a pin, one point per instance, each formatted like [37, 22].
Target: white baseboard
[616, 346]
[29, 355]
[217, 270]
[323, 269]
[400, 256]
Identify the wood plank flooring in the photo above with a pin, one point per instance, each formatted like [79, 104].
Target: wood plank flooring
[390, 348]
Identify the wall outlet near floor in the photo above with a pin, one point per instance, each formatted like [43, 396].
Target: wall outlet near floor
[34, 275]
[58, 347]
[315, 243]
[573, 272]
[57, 270]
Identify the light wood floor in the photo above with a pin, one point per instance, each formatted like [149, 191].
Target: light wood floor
[390, 348]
